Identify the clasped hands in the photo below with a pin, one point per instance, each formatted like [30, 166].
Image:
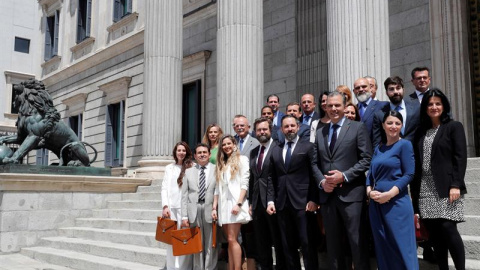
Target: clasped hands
[331, 180]
[380, 197]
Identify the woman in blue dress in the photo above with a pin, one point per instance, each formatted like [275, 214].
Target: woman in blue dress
[391, 211]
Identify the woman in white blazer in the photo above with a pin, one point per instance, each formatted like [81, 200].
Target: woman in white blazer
[172, 197]
[232, 174]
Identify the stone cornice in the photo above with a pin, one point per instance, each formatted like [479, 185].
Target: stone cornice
[18, 75]
[75, 104]
[123, 22]
[82, 44]
[51, 61]
[116, 90]
[69, 183]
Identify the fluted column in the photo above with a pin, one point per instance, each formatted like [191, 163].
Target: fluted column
[239, 60]
[162, 93]
[358, 42]
[450, 61]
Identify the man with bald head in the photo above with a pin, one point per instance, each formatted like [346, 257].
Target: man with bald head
[308, 106]
[367, 106]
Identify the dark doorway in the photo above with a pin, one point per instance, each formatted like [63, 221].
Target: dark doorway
[191, 113]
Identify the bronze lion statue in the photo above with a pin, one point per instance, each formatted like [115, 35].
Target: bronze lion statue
[39, 126]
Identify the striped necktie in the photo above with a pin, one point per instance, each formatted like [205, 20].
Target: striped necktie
[201, 184]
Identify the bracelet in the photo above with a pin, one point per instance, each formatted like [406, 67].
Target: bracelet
[368, 194]
[214, 209]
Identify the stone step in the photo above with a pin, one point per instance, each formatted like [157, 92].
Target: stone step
[144, 239]
[81, 261]
[472, 246]
[118, 224]
[473, 162]
[142, 196]
[469, 264]
[136, 204]
[19, 261]
[130, 253]
[472, 175]
[473, 189]
[149, 189]
[471, 226]
[127, 213]
[472, 206]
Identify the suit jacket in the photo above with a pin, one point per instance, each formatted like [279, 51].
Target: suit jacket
[297, 181]
[412, 122]
[279, 119]
[257, 188]
[448, 160]
[315, 116]
[413, 97]
[303, 133]
[248, 145]
[190, 192]
[369, 114]
[351, 155]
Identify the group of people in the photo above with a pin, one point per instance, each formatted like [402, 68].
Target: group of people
[343, 173]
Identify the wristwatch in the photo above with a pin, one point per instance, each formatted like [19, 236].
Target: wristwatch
[239, 204]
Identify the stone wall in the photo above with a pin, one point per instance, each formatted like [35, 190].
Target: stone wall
[280, 50]
[25, 217]
[410, 44]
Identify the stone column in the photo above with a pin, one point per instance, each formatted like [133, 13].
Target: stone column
[358, 42]
[450, 61]
[162, 94]
[239, 60]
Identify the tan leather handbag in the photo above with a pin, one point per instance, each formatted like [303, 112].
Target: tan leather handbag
[187, 241]
[165, 227]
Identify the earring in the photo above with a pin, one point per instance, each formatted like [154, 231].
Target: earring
[235, 149]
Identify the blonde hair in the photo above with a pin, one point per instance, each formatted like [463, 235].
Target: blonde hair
[205, 139]
[345, 91]
[224, 161]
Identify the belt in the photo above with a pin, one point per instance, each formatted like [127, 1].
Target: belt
[201, 201]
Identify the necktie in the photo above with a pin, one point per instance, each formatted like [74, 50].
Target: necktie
[260, 158]
[306, 119]
[420, 97]
[201, 184]
[334, 137]
[363, 107]
[241, 144]
[288, 156]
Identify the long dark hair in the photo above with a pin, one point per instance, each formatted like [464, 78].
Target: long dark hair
[425, 121]
[187, 161]
[394, 114]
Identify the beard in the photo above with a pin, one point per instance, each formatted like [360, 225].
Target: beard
[263, 138]
[363, 97]
[396, 99]
[290, 136]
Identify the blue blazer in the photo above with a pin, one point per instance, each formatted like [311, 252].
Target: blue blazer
[369, 114]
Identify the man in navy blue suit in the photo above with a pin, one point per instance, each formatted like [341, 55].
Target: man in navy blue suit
[409, 110]
[367, 106]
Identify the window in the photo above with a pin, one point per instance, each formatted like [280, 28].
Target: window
[114, 137]
[13, 107]
[84, 19]
[22, 45]
[51, 35]
[42, 157]
[75, 123]
[121, 8]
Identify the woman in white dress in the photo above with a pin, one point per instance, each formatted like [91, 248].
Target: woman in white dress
[171, 198]
[230, 201]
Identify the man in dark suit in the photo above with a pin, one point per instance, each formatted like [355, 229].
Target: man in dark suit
[344, 153]
[294, 109]
[367, 106]
[410, 112]
[291, 192]
[308, 106]
[421, 81]
[274, 102]
[265, 225]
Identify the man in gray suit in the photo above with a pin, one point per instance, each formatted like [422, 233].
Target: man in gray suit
[344, 152]
[245, 141]
[197, 200]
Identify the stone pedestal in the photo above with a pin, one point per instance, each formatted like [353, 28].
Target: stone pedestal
[239, 60]
[450, 67]
[163, 82]
[358, 42]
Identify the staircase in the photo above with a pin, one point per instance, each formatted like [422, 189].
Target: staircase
[119, 237]
[122, 236]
